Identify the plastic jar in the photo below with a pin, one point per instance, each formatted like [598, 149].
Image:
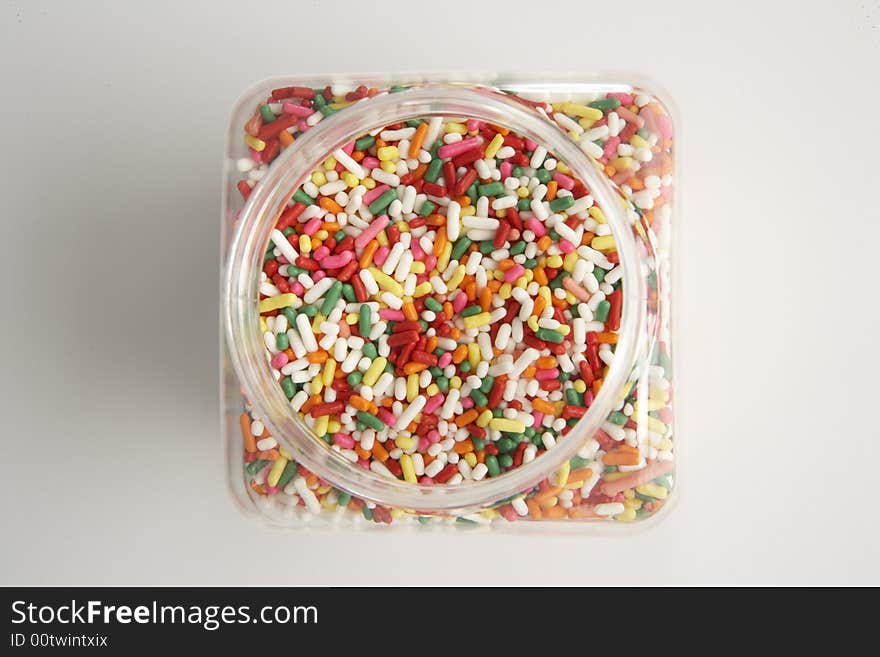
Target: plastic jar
[630, 182]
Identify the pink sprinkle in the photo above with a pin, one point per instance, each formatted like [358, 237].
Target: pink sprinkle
[445, 359]
[506, 169]
[535, 226]
[566, 247]
[619, 497]
[375, 227]
[344, 330]
[588, 398]
[297, 288]
[433, 436]
[320, 253]
[318, 275]
[343, 440]
[279, 360]
[513, 273]
[424, 443]
[370, 162]
[416, 248]
[664, 124]
[459, 302]
[539, 418]
[579, 293]
[421, 278]
[611, 146]
[433, 403]
[474, 124]
[392, 315]
[302, 125]
[430, 262]
[426, 481]
[312, 226]
[337, 261]
[458, 147]
[530, 145]
[467, 402]
[545, 375]
[386, 416]
[348, 148]
[282, 260]
[563, 181]
[375, 193]
[625, 99]
[364, 463]
[380, 255]
[296, 110]
[255, 155]
[271, 490]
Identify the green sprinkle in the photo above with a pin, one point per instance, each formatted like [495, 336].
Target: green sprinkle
[331, 298]
[364, 143]
[266, 113]
[309, 310]
[367, 512]
[486, 247]
[599, 273]
[487, 384]
[462, 245]
[577, 463]
[281, 341]
[349, 293]
[339, 235]
[354, 378]
[543, 175]
[396, 88]
[382, 202]
[618, 418]
[472, 193]
[290, 313]
[531, 263]
[571, 397]
[465, 521]
[364, 316]
[424, 520]
[288, 387]
[516, 172]
[433, 170]
[517, 248]
[467, 311]
[326, 110]
[442, 383]
[492, 464]
[602, 311]
[342, 499]
[433, 305]
[370, 351]
[505, 461]
[505, 445]
[561, 203]
[465, 367]
[427, 208]
[370, 420]
[255, 466]
[549, 335]
[479, 443]
[491, 189]
[523, 204]
[605, 104]
[479, 398]
[289, 473]
[301, 197]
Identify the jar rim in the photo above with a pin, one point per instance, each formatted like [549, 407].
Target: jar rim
[243, 263]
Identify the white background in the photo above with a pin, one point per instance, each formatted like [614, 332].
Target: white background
[112, 123]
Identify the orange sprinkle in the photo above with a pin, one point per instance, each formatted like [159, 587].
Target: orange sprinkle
[486, 299]
[319, 356]
[467, 417]
[545, 363]
[552, 186]
[250, 443]
[410, 312]
[418, 138]
[316, 244]
[361, 452]
[330, 205]
[481, 456]
[435, 220]
[494, 285]
[470, 288]
[544, 243]
[579, 476]
[506, 264]
[379, 451]
[360, 403]
[582, 511]
[460, 353]
[618, 457]
[258, 489]
[555, 512]
[544, 495]
[431, 344]
[540, 276]
[285, 138]
[607, 337]
[369, 251]
[455, 333]
[268, 454]
[540, 304]
[543, 406]
[465, 446]
[596, 387]
[448, 310]
[441, 241]
[330, 226]
[311, 401]
[414, 368]
[357, 156]
[529, 372]
[534, 509]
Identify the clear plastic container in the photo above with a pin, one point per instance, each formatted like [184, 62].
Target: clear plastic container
[615, 463]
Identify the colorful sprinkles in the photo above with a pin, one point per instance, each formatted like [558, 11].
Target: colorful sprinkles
[441, 300]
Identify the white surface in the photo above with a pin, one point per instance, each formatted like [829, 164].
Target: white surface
[111, 133]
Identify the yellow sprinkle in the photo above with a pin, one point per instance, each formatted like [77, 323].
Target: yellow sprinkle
[564, 329]
[263, 327]
[322, 234]
[321, 424]
[653, 490]
[603, 243]
[569, 261]
[627, 516]
[404, 442]
[276, 302]
[554, 261]
[652, 405]
[417, 267]
[386, 282]
[580, 386]
[614, 476]
[455, 382]
[503, 424]
[584, 111]
[319, 178]
[506, 289]
[374, 371]
[316, 322]
[412, 387]
[284, 453]
[330, 163]
[489, 514]
[406, 465]
[529, 276]
[478, 320]
[334, 426]
[368, 182]
[655, 425]
[403, 226]
[351, 319]
[452, 126]
[315, 387]
[471, 459]
[396, 514]
[456, 278]
[467, 211]
[522, 192]
[388, 166]
[387, 153]
[562, 167]
[443, 260]
[474, 357]
[305, 243]
[585, 123]
[636, 142]
[562, 474]
[422, 289]
[275, 473]
[571, 299]
[330, 370]
[253, 142]
[621, 163]
[597, 214]
[483, 418]
[432, 389]
[382, 238]
[352, 181]
[494, 145]
[664, 445]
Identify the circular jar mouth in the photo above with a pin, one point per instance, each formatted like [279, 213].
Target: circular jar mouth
[244, 262]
